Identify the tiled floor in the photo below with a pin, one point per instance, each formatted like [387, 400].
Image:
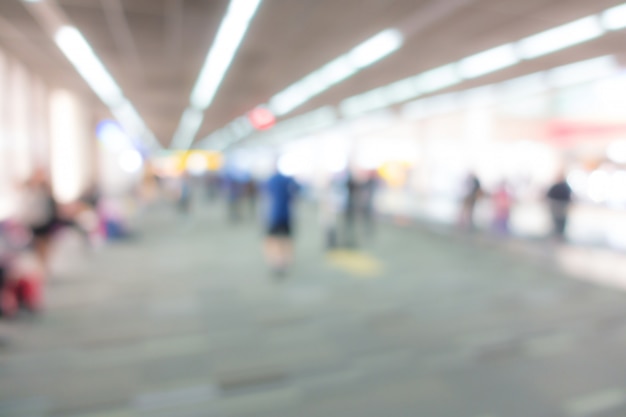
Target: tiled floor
[186, 321]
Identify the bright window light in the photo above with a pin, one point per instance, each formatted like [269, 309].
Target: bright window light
[229, 36]
[615, 18]
[438, 78]
[560, 37]
[376, 48]
[584, 71]
[79, 52]
[617, 151]
[189, 126]
[488, 61]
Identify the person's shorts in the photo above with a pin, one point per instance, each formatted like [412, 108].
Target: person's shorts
[44, 230]
[279, 229]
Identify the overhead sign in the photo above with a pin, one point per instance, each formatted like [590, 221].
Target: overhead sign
[261, 118]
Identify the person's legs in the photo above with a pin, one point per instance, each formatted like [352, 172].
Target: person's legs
[278, 247]
[42, 246]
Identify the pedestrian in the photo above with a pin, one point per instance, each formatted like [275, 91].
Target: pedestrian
[473, 192]
[38, 211]
[502, 203]
[351, 209]
[280, 192]
[559, 198]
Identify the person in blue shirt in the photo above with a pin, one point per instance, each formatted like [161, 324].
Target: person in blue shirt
[280, 191]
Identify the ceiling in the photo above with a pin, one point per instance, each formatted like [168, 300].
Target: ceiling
[155, 48]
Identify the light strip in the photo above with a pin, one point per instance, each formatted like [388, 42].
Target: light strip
[438, 78]
[448, 75]
[488, 61]
[188, 127]
[79, 52]
[229, 36]
[491, 60]
[615, 18]
[561, 37]
[341, 68]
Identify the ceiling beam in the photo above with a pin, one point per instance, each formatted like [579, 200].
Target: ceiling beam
[122, 35]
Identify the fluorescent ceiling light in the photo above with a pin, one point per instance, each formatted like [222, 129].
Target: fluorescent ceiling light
[403, 90]
[584, 71]
[524, 86]
[79, 52]
[615, 18]
[372, 100]
[229, 36]
[376, 48]
[337, 70]
[488, 61]
[560, 37]
[438, 78]
[187, 129]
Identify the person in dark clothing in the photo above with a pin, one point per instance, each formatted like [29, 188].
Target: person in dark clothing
[559, 198]
[473, 193]
[351, 209]
[280, 192]
[39, 212]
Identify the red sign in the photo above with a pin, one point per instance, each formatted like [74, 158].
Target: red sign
[261, 118]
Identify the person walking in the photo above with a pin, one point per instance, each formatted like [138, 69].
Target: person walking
[473, 193]
[280, 192]
[559, 198]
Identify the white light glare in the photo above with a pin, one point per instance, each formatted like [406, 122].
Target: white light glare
[77, 50]
[189, 126]
[615, 18]
[337, 70]
[376, 48]
[561, 37]
[488, 61]
[580, 72]
[130, 161]
[617, 151]
[229, 36]
[438, 78]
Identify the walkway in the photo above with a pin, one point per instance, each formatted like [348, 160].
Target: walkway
[186, 322]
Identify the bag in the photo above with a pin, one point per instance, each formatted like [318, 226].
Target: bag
[24, 292]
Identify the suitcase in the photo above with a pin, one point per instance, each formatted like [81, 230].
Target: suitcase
[22, 293]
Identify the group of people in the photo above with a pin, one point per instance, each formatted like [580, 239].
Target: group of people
[558, 197]
[30, 231]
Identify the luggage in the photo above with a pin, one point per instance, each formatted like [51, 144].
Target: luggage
[22, 293]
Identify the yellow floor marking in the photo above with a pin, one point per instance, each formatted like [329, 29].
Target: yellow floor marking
[355, 263]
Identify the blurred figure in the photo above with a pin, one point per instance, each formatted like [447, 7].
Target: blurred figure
[184, 194]
[233, 196]
[38, 211]
[502, 203]
[473, 193]
[559, 198]
[330, 208]
[212, 183]
[368, 194]
[251, 191]
[280, 192]
[351, 209]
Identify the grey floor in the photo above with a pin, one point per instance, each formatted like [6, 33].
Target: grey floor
[186, 321]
